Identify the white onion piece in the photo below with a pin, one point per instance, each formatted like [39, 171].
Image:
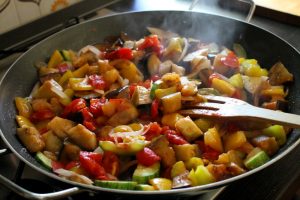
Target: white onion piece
[130, 133]
[193, 55]
[98, 150]
[90, 48]
[185, 48]
[69, 174]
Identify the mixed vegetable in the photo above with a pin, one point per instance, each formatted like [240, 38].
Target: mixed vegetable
[95, 118]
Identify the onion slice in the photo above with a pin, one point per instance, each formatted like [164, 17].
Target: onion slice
[90, 48]
[73, 176]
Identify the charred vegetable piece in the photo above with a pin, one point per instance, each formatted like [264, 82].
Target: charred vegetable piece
[268, 144]
[31, 138]
[278, 74]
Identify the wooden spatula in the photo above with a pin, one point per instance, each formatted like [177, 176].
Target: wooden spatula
[234, 109]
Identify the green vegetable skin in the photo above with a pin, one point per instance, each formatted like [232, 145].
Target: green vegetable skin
[259, 158]
[122, 185]
[66, 55]
[46, 162]
[142, 174]
[123, 148]
[144, 187]
[276, 131]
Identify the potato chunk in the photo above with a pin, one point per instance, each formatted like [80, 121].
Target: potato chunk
[171, 103]
[83, 137]
[188, 128]
[60, 126]
[31, 138]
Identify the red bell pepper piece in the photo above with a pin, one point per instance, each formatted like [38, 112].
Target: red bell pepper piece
[151, 43]
[154, 131]
[92, 166]
[71, 165]
[96, 106]
[132, 88]
[97, 82]
[75, 106]
[231, 60]
[42, 115]
[174, 138]
[147, 157]
[111, 163]
[121, 53]
[56, 165]
[88, 119]
[207, 152]
[154, 108]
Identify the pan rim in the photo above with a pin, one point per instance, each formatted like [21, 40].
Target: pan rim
[203, 188]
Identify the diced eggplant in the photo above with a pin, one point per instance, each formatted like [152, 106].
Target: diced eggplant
[278, 74]
[153, 64]
[185, 152]
[161, 147]
[268, 144]
[123, 116]
[60, 126]
[141, 96]
[70, 152]
[182, 180]
[52, 142]
[83, 137]
[31, 138]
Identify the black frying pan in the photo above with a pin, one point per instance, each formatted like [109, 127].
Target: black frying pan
[259, 44]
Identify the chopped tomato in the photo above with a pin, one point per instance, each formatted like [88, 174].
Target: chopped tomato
[56, 165]
[96, 106]
[151, 43]
[207, 152]
[154, 108]
[95, 156]
[146, 83]
[92, 166]
[42, 115]
[132, 88]
[231, 60]
[154, 131]
[121, 53]
[75, 106]
[111, 163]
[155, 78]
[147, 157]
[71, 165]
[97, 82]
[174, 138]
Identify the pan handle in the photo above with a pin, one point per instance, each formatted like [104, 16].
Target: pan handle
[32, 195]
[250, 12]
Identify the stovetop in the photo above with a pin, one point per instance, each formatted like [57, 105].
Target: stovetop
[279, 181]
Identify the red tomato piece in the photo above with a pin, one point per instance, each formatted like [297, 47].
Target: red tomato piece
[95, 156]
[231, 60]
[175, 139]
[92, 166]
[154, 108]
[132, 88]
[56, 165]
[207, 152]
[75, 106]
[71, 165]
[96, 106]
[121, 53]
[155, 77]
[151, 43]
[154, 131]
[111, 163]
[42, 115]
[97, 82]
[147, 157]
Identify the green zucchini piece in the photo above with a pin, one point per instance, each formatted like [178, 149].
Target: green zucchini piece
[152, 91]
[276, 131]
[44, 160]
[142, 174]
[144, 187]
[66, 55]
[122, 185]
[256, 158]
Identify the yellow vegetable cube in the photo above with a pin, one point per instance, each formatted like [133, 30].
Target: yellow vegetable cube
[213, 139]
[223, 86]
[171, 103]
[177, 169]
[188, 129]
[161, 183]
[171, 119]
[234, 140]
